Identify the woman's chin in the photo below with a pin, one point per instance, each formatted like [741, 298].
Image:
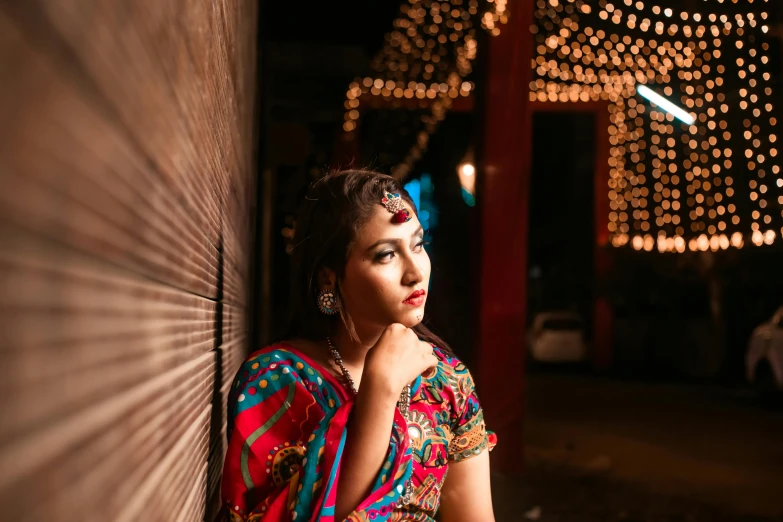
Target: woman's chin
[412, 317]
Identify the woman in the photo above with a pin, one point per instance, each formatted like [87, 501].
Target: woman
[361, 412]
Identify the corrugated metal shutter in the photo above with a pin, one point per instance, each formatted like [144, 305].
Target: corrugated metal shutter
[126, 190]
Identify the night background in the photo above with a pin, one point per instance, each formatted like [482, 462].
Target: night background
[655, 297]
[608, 261]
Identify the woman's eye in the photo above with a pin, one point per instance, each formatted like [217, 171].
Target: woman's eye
[421, 244]
[385, 256]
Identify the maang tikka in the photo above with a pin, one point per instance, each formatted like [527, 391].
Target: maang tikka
[394, 204]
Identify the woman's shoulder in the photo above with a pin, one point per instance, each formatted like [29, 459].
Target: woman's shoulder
[466, 417]
[280, 370]
[281, 353]
[266, 354]
[452, 378]
[280, 363]
[271, 357]
[449, 363]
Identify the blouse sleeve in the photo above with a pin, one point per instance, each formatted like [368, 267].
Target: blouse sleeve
[287, 430]
[470, 435]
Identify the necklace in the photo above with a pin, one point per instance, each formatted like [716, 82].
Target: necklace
[403, 404]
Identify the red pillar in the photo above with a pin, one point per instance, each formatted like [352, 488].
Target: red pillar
[504, 189]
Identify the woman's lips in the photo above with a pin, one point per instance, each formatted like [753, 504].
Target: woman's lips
[416, 298]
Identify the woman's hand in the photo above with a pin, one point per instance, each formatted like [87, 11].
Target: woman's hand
[397, 359]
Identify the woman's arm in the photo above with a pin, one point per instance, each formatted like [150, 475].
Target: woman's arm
[366, 446]
[466, 495]
[395, 360]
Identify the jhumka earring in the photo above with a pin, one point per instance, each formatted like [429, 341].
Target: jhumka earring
[327, 302]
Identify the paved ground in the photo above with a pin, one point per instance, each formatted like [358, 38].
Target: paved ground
[602, 449]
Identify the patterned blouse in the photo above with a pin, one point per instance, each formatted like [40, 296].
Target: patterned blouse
[287, 425]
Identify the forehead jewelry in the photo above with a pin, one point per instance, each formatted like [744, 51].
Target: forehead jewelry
[393, 203]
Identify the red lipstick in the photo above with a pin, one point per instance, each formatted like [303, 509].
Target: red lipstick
[416, 298]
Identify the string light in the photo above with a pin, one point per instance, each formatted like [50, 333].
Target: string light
[673, 185]
[426, 59]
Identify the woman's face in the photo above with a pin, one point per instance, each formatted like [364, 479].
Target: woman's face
[387, 273]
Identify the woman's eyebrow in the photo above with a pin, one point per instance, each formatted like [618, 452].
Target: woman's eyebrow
[419, 231]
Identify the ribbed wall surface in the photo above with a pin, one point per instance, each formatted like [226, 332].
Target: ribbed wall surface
[126, 192]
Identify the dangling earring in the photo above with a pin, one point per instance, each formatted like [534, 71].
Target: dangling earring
[327, 302]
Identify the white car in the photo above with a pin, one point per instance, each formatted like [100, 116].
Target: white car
[764, 360]
[557, 337]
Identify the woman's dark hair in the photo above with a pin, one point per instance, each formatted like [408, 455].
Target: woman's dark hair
[334, 210]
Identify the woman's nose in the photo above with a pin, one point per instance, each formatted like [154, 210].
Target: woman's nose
[413, 273]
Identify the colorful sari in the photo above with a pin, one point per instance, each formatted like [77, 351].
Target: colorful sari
[287, 430]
